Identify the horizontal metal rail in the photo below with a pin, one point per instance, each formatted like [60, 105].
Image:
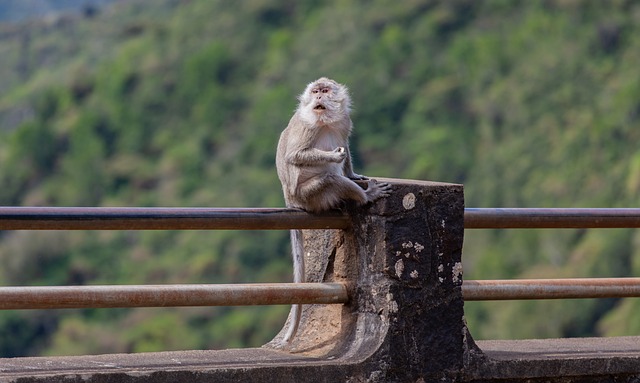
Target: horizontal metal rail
[542, 218]
[92, 218]
[105, 218]
[118, 296]
[517, 289]
[67, 297]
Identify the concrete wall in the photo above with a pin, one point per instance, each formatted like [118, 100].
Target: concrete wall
[404, 322]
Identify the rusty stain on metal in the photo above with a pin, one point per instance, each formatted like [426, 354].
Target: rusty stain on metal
[105, 218]
[58, 297]
[543, 218]
[516, 289]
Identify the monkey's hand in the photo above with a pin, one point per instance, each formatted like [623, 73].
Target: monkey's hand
[339, 154]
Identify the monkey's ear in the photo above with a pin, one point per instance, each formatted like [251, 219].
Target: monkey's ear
[344, 97]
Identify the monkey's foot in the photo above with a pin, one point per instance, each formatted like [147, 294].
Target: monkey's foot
[377, 190]
[357, 177]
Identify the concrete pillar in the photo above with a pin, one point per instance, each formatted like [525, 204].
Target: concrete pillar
[402, 261]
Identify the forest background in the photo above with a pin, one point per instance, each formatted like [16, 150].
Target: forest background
[181, 103]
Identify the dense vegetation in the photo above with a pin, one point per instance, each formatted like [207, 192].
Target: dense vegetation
[20, 10]
[180, 103]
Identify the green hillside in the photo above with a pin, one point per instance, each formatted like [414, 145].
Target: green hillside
[20, 10]
[180, 103]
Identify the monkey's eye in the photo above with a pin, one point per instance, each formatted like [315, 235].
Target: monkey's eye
[325, 90]
[315, 91]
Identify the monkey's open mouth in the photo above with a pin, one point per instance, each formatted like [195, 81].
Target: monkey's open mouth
[319, 107]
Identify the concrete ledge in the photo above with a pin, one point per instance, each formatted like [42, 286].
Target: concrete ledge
[614, 359]
[179, 366]
[545, 360]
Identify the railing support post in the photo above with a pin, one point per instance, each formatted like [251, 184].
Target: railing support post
[402, 261]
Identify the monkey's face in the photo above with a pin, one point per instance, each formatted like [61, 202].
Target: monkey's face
[324, 101]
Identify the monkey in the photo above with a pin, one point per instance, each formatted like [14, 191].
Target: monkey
[314, 165]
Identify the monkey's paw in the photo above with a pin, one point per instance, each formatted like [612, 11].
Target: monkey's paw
[377, 190]
[339, 154]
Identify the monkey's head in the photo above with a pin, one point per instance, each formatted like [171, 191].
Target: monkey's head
[324, 101]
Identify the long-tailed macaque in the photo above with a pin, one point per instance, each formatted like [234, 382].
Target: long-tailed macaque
[314, 165]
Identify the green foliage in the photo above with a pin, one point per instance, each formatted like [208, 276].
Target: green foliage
[182, 103]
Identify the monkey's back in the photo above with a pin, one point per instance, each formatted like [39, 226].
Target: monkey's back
[283, 168]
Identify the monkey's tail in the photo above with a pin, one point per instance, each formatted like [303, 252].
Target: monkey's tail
[297, 251]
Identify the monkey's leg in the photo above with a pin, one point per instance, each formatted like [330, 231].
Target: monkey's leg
[328, 192]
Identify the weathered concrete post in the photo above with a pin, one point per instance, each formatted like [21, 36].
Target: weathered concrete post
[402, 261]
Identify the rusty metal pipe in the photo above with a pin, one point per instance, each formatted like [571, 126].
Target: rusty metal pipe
[516, 289]
[543, 218]
[91, 218]
[104, 218]
[59, 297]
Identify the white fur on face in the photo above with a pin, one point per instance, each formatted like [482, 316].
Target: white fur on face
[324, 101]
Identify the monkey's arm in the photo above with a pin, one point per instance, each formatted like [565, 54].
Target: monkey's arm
[348, 168]
[314, 156]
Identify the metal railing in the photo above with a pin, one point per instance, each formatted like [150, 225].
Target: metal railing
[76, 218]
[540, 218]
[73, 297]
[107, 218]
[111, 296]
[570, 288]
